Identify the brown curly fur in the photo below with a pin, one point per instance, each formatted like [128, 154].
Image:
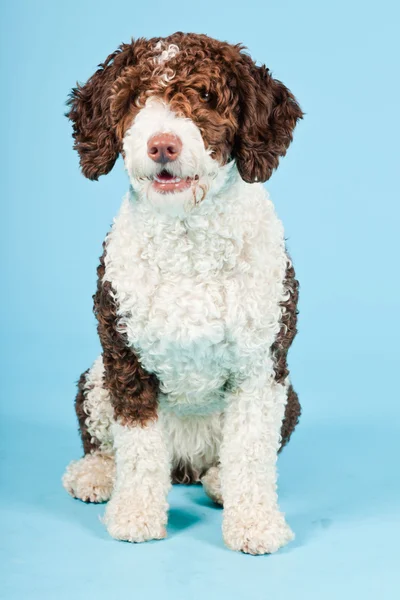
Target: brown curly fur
[249, 117]
[291, 418]
[280, 350]
[288, 329]
[133, 391]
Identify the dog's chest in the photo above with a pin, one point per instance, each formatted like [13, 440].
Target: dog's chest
[183, 300]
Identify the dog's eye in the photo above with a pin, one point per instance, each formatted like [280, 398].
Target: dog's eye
[205, 95]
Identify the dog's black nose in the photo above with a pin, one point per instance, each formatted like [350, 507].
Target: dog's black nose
[164, 147]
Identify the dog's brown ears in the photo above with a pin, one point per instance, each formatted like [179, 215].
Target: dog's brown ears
[93, 130]
[268, 115]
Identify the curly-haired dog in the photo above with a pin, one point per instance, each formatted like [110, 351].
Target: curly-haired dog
[196, 297]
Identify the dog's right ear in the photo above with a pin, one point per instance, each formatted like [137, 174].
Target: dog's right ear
[95, 139]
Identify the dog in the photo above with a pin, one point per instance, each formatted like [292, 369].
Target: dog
[196, 300]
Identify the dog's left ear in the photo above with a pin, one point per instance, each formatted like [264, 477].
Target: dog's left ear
[268, 115]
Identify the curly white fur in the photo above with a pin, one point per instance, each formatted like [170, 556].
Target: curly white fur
[165, 53]
[212, 484]
[194, 159]
[199, 289]
[98, 407]
[192, 439]
[138, 507]
[91, 478]
[252, 520]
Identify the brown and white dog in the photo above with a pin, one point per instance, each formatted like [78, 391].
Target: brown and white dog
[196, 297]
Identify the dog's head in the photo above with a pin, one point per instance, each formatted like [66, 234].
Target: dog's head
[181, 110]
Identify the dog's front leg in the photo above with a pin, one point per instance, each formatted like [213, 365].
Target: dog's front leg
[137, 510]
[138, 507]
[252, 521]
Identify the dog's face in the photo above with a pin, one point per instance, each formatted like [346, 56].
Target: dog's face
[182, 111]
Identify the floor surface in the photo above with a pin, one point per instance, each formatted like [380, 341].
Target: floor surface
[339, 487]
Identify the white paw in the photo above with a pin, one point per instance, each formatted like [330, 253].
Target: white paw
[130, 520]
[91, 478]
[212, 485]
[256, 531]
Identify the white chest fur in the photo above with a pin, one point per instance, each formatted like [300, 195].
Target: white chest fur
[199, 298]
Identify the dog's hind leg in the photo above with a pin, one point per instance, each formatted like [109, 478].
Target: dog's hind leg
[212, 485]
[91, 478]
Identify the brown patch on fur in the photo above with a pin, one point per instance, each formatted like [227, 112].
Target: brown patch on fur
[280, 350]
[288, 329]
[291, 418]
[133, 391]
[184, 473]
[89, 444]
[241, 111]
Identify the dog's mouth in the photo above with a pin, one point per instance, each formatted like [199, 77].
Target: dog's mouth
[164, 182]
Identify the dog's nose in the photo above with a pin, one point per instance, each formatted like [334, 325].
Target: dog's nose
[164, 147]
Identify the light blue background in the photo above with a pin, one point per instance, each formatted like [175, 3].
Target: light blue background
[337, 192]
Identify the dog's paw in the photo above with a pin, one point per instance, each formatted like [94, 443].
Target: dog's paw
[129, 520]
[256, 531]
[91, 478]
[212, 485]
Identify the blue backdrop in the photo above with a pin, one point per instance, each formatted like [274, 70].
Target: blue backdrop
[337, 193]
